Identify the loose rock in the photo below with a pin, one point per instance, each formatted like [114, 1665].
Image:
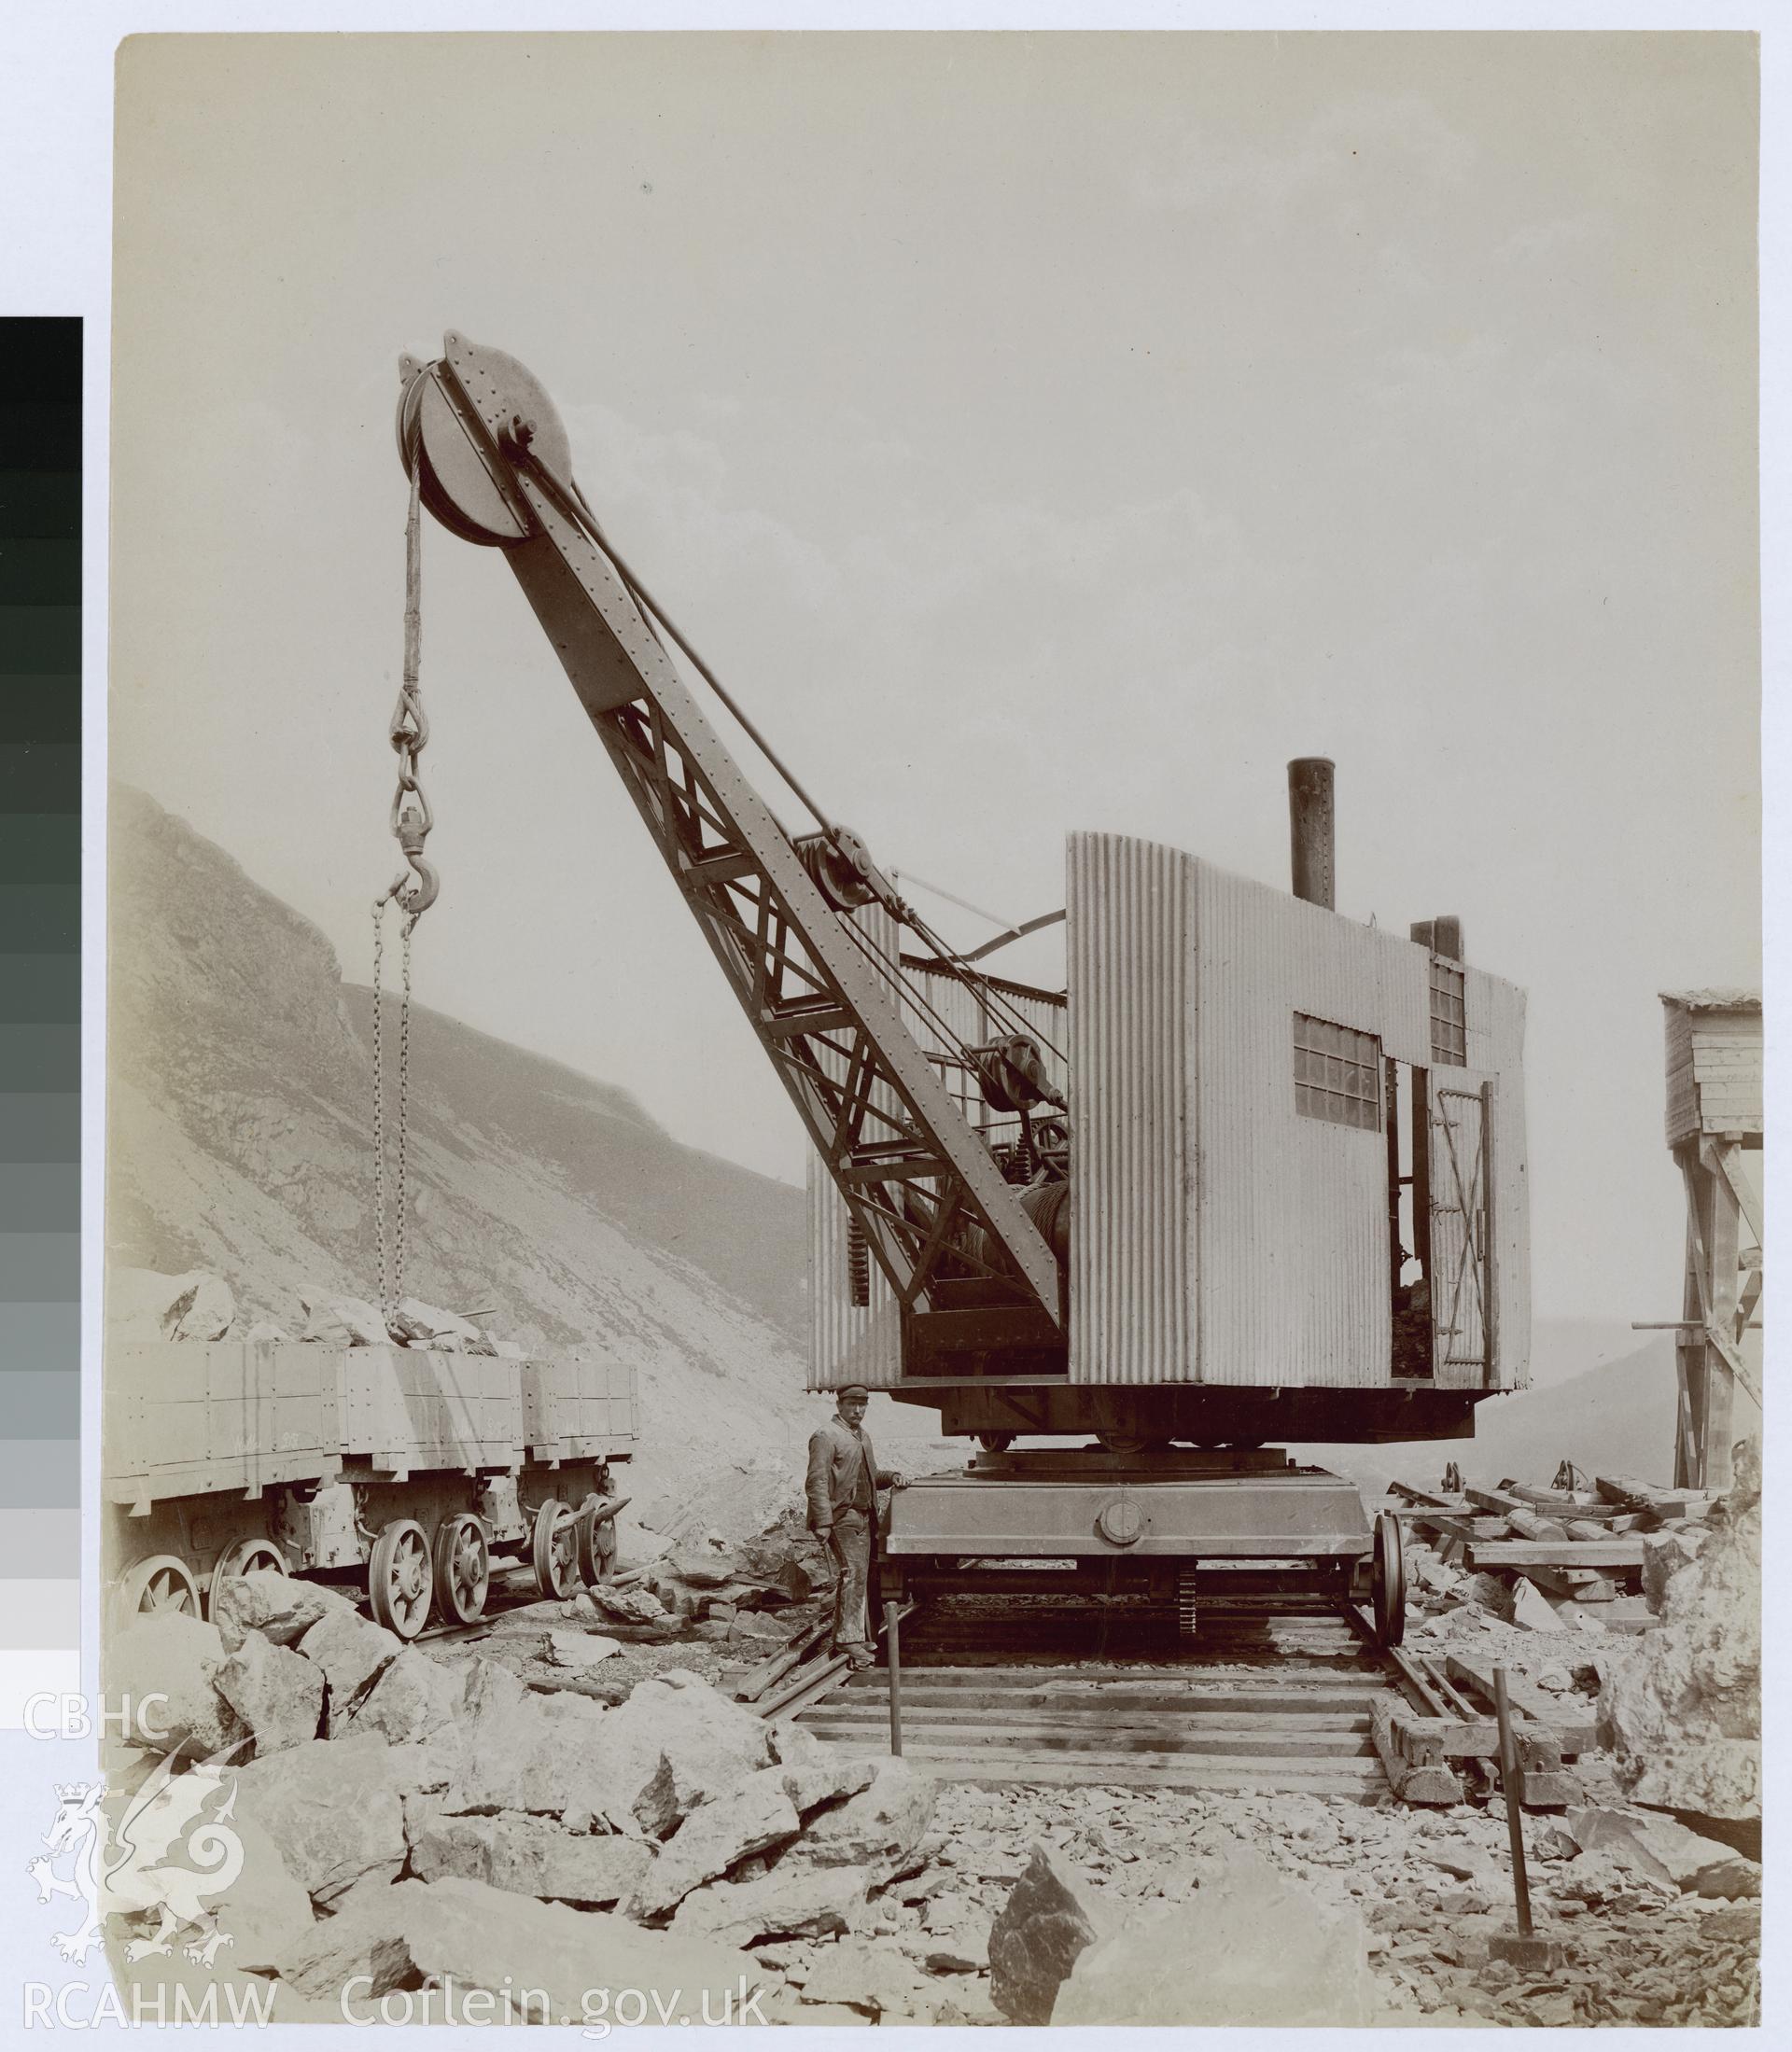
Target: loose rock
[528, 1856]
[750, 1817]
[412, 1698]
[786, 1902]
[882, 1828]
[1246, 1947]
[1045, 1926]
[332, 1807]
[166, 1666]
[278, 1606]
[278, 1695]
[351, 1649]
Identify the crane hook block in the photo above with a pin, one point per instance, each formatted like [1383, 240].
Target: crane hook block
[458, 419]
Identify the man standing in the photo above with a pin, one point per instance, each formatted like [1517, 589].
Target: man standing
[844, 1480]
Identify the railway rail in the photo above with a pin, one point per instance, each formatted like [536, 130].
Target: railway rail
[1274, 1695]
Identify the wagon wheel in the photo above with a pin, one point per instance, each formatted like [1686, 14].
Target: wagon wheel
[554, 1548]
[397, 1578]
[995, 1443]
[1388, 1581]
[463, 1568]
[161, 1586]
[595, 1540]
[247, 1557]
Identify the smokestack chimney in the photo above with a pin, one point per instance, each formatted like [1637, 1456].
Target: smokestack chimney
[1311, 830]
[1442, 936]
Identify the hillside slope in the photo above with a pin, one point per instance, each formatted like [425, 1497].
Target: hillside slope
[240, 1141]
[1614, 1418]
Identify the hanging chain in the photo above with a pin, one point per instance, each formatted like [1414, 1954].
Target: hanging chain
[404, 1109]
[379, 1106]
[414, 890]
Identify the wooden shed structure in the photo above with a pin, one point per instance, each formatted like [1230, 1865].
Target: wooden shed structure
[1715, 1122]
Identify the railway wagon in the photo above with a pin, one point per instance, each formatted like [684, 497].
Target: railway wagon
[415, 1468]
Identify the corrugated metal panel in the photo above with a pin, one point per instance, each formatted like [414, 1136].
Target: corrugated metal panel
[1497, 1047]
[1293, 1210]
[1130, 939]
[846, 1343]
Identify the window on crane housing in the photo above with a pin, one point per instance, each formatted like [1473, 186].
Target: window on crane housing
[1337, 1073]
[1449, 1016]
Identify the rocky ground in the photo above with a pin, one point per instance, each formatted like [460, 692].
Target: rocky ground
[548, 1806]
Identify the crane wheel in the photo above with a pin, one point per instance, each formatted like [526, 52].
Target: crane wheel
[1388, 1580]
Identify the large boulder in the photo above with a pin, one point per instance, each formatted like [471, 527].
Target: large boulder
[527, 1856]
[365, 1942]
[811, 1784]
[629, 1605]
[265, 1911]
[1046, 1923]
[521, 1751]
[786, 1902]
[412, 1699]
[278, 1695]
[1663, 1848]
[350, 1650]
[671, 1746]
[861, 1974]
[166, 1666]
[419, 1322]
[343, 1321]
[278, 1606]
[142, 1304]
[487, 1940]
[752, 1817]
[1246, 1947]
[881, 1828]
[1680, 1709]
[1664, 1554]
[702, 1567]
[334, 1808]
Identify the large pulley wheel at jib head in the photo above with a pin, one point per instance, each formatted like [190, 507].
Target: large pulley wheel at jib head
[454, 414]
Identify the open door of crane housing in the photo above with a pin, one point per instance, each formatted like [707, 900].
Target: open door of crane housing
[1465, 1315]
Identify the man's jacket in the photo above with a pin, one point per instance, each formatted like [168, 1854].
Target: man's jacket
[842, 1470]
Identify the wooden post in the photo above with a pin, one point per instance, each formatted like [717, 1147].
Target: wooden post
[1421, 1200]
[1392, 1086]
[1723, 1243]
[1511, 1781]
[1490, 1272]
[893, 1645]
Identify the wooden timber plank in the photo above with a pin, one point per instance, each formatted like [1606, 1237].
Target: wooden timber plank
[1061, 1702]
[990, 1767]
[874, 1716]
[1574, 1726]
[1501, 1501]
[1626, 1492]
[1111, 1743]
[1581, 1585]
[1556, 1553]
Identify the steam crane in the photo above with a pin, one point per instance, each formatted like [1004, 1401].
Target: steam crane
[1288, 1222]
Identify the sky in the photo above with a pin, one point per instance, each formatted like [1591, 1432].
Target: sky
[1036, 433]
